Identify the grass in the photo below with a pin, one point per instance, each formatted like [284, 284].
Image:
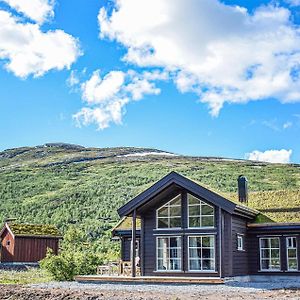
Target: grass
[32, 275]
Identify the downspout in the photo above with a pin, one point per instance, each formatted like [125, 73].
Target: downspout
[133, 240]
[220, 242]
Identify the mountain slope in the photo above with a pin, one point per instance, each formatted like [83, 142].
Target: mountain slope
[67, 184]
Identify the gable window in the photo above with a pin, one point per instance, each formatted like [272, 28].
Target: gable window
[168, 253]
[291, 251]
[201, 253]
[200, 213]
[7, 243]
[269, 254]
[240, 242]
[169, 215]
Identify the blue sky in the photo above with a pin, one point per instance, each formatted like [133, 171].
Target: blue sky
[123, 80]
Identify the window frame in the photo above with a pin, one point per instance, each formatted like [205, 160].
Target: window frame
[188, 253]
[200, 216]
[180, 251]
[241, 237]
[260, 253]
[169, 217]
[287, 254]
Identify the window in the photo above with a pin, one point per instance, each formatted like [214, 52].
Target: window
[7, 243]
[200, 213]
[291, 251]
[202, 253]
[169, 254]
[137, 249]
[169, 215]
[240, 242]
[270, 254]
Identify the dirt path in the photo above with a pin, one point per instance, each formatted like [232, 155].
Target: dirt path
[17, 292]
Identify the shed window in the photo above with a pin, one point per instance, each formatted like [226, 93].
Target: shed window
[200, 213]
[240, 242]
[291, 251]
[7, 243]
[169, 215]
[169, 253]
[270, 254]
[201, 253]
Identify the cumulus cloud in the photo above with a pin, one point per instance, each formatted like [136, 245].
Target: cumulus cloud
[293, 2]
[272, 156]
[37, 10]
[107, 96]
[222, 53]
[27, 50]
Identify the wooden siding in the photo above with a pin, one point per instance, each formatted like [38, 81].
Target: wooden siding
[126, 248]
[240, 258]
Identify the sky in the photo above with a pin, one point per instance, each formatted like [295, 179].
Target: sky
[193, 77]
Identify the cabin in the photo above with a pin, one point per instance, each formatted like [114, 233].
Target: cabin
[182, 229]
[27, 243]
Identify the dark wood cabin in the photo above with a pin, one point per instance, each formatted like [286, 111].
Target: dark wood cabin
[27, 243]
[185, 229]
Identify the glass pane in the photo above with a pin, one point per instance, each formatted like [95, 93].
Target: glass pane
[292, 253]
[193, 200]
[207, 221]
[176, 201]
[207, 241]
[292, 264]
[194, 222]
[265, 264]
[193, 241]
[161, 265]
[175, 253]
[208, 264]
[195, 253]
[264, 243]
[162, 243]
[207, 253]
[195, 264]
[275, 264]
[175, 211]
[265, 253]
[275, 253]
[194, 210]
[163, 223]
[163, 212]
[160, 253]
[207, 210]
[175, 222]
[274, 242]
[175, 264]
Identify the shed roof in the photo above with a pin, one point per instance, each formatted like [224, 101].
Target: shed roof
[34, 230]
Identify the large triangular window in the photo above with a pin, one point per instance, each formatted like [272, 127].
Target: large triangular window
[169, 215]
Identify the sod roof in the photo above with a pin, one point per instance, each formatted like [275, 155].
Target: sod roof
[34, 230]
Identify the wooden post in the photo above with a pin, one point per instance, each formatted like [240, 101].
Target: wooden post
[133, 239]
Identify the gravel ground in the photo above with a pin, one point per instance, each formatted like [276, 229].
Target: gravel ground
[79, 291]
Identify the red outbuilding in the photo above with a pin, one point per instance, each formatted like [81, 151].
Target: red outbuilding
[27, 243]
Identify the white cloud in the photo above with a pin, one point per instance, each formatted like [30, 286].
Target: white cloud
[37, 10]
[73, 79]
[287, 125]
[272, 156]
[222, 53]
[107, 96]
[293, 2]
[29, 51]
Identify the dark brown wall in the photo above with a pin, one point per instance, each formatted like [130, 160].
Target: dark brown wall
[126, 248]
[7, 252]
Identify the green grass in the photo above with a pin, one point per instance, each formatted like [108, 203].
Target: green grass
[30, 276]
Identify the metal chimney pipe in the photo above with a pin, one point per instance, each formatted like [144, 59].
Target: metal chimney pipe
[243, 189]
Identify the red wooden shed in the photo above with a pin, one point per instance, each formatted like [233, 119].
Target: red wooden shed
[27, 243]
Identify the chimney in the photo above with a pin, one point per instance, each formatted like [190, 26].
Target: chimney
[243, 189]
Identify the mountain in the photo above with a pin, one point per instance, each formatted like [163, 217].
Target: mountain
[67, 184]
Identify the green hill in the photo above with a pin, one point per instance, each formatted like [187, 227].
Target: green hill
[66, 184]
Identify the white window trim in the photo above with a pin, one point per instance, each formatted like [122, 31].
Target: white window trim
[242, 236]
[188, 251]
[260, 256]
[181, 260]
[188, 214]
[157, 217]
[287, 255]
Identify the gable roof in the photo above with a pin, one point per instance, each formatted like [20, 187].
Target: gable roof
[179, 180]
[31, 230]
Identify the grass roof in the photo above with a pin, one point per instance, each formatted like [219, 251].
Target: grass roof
[125, 224]
[34, 230]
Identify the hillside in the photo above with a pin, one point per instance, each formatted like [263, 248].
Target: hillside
[68, 184]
